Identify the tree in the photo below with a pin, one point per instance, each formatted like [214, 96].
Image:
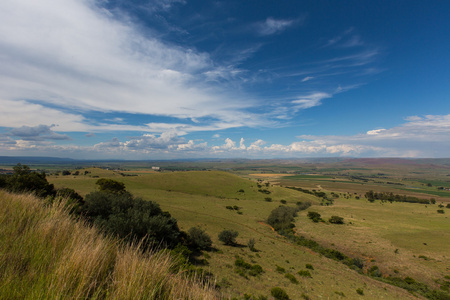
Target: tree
[199, 239]
[25, 180]
[282, 217]
[111, 186]
[228, 237]
[314, 216]
[132, 218]
[336, 220]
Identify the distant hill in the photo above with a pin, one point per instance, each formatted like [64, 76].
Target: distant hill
[33, 160]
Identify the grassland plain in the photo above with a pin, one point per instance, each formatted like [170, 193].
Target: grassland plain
[45, 254]
[200, 199]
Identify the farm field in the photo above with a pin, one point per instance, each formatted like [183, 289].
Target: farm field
[396, 239]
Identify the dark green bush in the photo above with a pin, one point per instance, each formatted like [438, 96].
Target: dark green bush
[280, 269]
[304, 273]
[228, 237]
[441, 211]
[291, 278]
[279, 294]
[309, 266]
[199, 239]
[268, 199]
[303, 205]
[110, 186]
[282, 217]
[24, 180]
[336, 220]
[360, 291]
[314, 216]
[131, 218]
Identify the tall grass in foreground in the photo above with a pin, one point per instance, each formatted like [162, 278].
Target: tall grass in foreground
[45, 254]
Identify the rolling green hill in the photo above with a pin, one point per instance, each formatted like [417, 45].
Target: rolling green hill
[390, 237]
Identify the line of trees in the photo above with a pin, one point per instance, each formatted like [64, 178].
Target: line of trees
[391, 197]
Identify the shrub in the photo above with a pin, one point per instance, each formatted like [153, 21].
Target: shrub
[314, 216]
[303, 205]
[228, 237]
[268, 199]
[251, 245]
[309, 266]
[281, 269]
[448, 205]
[360, 291]
[291, 278]
[255, 270]
[24, 180]
[131, 218]
[111, 186]
[440, 211]
[304, 273]
[283, 201]
[336, 220]
[281, 217]
[279, 294]
[199, 239]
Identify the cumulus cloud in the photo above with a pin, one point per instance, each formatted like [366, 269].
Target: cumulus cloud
[427, 136]
[37, 133]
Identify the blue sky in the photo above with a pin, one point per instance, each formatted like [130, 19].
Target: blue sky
[168, 79]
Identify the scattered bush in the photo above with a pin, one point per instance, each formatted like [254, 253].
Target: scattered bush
[283, 201]
[279, 294]
[268, 199]
[441, 211]
[228, 237]
[199, 239]
[309, 266]
[360, 291]
[448, 205]
[336, 220]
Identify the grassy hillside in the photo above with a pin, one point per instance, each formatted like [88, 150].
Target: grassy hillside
[44, 254]
[201, 199]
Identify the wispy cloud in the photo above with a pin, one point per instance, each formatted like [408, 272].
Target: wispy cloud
[273, 26]
[310, 100]
[88, 61]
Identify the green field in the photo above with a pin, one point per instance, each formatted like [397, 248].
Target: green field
[401, 239]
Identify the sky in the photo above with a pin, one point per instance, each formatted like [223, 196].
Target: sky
[178, 79]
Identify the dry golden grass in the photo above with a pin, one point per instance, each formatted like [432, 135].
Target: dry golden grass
[45, 254]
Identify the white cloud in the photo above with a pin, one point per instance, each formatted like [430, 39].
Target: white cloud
[72, 54]
[427, 136]
[272, 26]
[310, 100]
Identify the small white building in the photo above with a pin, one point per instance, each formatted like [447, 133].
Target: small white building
[155, 168]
